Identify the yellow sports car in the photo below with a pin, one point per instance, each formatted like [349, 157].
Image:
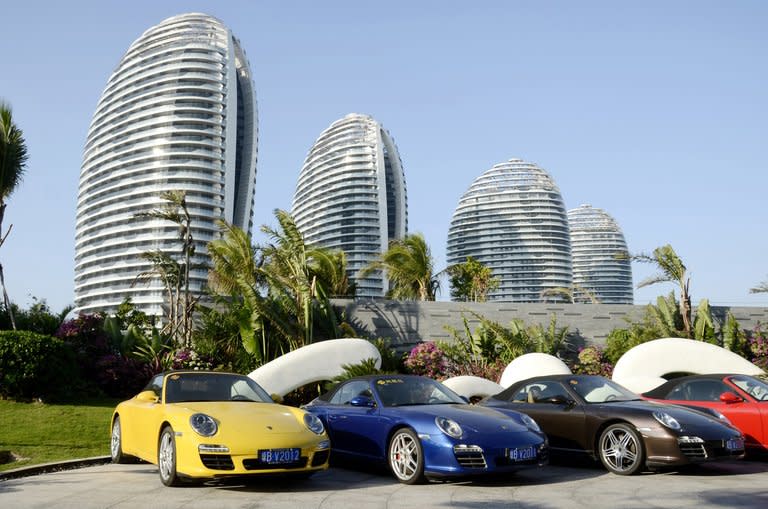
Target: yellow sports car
[200, 424]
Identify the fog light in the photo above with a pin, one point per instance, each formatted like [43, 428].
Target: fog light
[467, 449]
[206, 448]
[690, 440]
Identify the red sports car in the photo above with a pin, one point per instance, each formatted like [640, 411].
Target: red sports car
[743, 399]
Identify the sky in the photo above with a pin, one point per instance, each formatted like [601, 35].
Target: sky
[654, 111]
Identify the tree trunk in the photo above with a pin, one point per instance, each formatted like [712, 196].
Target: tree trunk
[6, 300]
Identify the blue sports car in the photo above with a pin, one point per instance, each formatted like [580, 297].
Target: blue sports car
[423, 429]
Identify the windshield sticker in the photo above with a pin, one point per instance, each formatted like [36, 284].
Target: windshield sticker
[174, 377]
[385, 381]
[574, 382]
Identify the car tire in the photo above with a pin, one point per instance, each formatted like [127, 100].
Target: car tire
[166, 457]
[406, 457]
[116, 443]
[621, 450]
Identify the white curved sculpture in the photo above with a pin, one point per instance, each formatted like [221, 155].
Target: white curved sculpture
[472, 386]
[313, 363]
[532, 364]
[641, 368]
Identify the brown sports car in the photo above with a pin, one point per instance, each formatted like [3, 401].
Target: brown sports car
[594, 415]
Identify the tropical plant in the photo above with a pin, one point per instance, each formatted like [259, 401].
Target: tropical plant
[471, 281]
[174, 274]
[279, 293]
[573, 294]
[671, 269]
[408, 266]
[734, 337]
[13, 163]
[492, 345]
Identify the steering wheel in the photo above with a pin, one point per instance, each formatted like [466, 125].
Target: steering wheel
[433, 399]
[610, 397]
[240, 397]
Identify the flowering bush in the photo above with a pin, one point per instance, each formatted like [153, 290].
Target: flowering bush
[758, 348]
[427, 359]
[592, 361]
[186, 358]
[488, 370]
[119, 376]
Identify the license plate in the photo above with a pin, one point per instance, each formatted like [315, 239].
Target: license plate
[734, 444]
[279, 456]
[522, 453]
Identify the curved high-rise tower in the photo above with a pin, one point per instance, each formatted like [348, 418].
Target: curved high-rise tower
[513, 220]
[178, 113]
[351, 195]
[598, 274]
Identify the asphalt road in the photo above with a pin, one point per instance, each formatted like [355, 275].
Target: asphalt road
[733, 484]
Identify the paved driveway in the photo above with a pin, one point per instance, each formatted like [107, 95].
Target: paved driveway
[737, 484]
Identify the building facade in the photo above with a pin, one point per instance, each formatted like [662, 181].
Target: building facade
[512, 220]
[178, 113]
[351, 195]
[601, 270]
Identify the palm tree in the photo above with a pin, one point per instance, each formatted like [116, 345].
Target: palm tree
[283, 287]
[761, 288]
[409, 267]
[13, 162]
[175, 275]
[471, 281]
[672, 270]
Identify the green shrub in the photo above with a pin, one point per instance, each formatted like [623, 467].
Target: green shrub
[36, 366]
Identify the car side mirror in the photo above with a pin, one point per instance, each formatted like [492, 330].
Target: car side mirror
[276, 398]
[728, 397]
[147, 397]
[364, 401]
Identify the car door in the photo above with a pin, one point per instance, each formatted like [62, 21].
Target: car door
[556, 411]
[354, 429]
[132, 420]
[750, 415]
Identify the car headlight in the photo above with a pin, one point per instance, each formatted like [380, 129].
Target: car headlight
[530, 423]
[204, 425]
[667, 420]
[314, 424]
[449, 427]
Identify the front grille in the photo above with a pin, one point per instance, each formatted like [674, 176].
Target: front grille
[217, 461]
[256, 464]
[693, 451]
[470, 457]
[320, 458]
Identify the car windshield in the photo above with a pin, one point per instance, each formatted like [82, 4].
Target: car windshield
[596, 389]
[181, 387]
[755, 387]
[400, 391]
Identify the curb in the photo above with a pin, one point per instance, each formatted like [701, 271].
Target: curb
[53, 467]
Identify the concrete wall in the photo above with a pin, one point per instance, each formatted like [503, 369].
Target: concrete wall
[408, 322]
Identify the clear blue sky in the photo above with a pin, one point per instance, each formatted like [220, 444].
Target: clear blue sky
[655, 111]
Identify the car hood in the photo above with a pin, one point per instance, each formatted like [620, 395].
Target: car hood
[690, 420]
[477, 418]
[242, 416]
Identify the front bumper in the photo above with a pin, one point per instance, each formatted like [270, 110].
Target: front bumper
[206, 462]
[445, 457]
[670, 450]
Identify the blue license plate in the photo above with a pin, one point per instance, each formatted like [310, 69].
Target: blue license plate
[734, 444]
[522, 453]
[279, 456]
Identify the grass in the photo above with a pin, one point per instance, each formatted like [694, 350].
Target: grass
[39, 433]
